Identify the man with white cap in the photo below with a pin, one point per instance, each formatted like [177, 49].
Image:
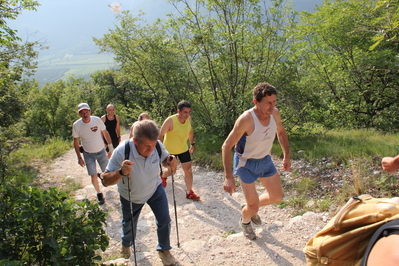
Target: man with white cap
[91, 130]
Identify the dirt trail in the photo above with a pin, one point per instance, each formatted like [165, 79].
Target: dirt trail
[208, 229]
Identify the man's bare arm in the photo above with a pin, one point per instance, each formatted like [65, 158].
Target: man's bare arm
[390, 164]
[283, 140]
[241, 127]
[166, 126]
[107, 136]
[118, 126]
[81, 162]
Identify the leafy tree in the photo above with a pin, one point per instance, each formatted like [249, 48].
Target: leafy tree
[350, 86]
[10, 10]
[116, 87]
[16, 60]
[386, 25]
[229, 47]
[53, 108]
[212, 54]
[149, 59]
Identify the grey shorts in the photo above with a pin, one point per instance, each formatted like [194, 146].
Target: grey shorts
[91, 158]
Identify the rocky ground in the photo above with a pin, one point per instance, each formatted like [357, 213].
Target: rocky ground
[208, 229]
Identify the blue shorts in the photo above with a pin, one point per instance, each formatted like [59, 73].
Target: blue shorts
[91, 158]
[254, 169]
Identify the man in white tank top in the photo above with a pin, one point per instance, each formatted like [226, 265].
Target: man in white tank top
[253, 135]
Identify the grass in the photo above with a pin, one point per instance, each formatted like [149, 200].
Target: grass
[208, 153]
[47, 151]
[30, 156]
[342, 145]
[228, 233]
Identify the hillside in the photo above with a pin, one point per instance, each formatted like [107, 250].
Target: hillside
[208, 229]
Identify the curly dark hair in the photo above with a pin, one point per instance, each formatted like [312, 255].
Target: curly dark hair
[263, 89]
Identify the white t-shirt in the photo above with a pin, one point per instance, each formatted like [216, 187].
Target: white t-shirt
[90, 134]
[144, 177]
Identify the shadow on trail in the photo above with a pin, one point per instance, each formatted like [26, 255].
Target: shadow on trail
[266, 239]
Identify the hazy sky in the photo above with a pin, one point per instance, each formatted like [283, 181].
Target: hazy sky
[66, 24]
[61, 22]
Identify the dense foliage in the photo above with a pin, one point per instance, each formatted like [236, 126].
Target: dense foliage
[44, 228]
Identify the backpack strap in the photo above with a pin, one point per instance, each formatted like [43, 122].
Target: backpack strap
[158, 147]
[127, 150]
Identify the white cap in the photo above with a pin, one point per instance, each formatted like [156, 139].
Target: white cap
[83, 106]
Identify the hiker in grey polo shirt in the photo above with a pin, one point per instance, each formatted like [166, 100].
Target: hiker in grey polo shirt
[141, 174]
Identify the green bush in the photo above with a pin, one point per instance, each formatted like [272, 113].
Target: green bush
[40, 227]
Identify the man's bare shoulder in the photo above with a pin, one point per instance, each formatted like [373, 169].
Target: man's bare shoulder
[276, 114]
[167, 124]
[245, 117]
[244, 122]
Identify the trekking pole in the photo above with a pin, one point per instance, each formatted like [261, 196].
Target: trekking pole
[174, 203]
[131, 220]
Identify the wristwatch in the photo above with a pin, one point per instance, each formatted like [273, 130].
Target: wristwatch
[192, 144]
[120, 172]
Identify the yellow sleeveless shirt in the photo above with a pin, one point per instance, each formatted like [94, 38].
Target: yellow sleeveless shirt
[175, 141]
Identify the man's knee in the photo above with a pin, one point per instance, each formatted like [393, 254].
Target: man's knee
[187, 168]
[277, 197]
[253, 208]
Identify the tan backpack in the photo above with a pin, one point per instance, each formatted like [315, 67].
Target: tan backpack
[344, 239]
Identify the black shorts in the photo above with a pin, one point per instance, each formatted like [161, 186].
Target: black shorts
[391, 227]
[184, 157]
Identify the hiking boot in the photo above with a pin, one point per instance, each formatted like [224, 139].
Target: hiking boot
[192, 195]
[166, 257]
[255, 219]
[247, 230]
[164, 181]
[100, 198]
[126, 252]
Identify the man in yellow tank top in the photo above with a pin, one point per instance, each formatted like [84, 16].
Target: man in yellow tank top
[174, 133]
